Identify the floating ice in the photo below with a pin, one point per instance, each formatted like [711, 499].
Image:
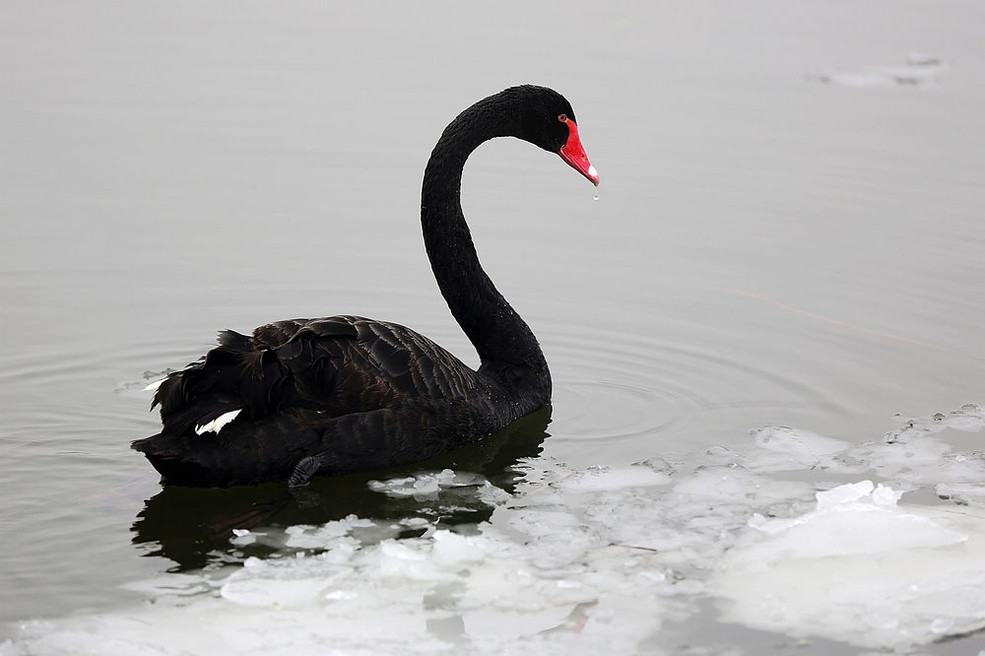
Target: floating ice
[850, 519]
[284, 583]
[242, 537]
[919, 69]
[858, 568]
[597, 479]
[328, 535]
[787, 449]
[607, 559]
[426, 484]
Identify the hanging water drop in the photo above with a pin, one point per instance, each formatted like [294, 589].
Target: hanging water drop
[595, 195]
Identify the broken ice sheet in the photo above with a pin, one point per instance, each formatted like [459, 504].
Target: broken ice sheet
[426, 484]
[858, 568]
[603, 559]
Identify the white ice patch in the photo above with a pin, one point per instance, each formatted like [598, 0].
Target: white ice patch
[788, 449]
[218, 423]
[849, 520]
[860, 569]
[610, 559]
[427, 484]
[919, 69]
[597, 479]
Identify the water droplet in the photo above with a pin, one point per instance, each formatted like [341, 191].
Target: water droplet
[595, 196]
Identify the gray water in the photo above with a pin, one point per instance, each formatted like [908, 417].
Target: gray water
[773, 244]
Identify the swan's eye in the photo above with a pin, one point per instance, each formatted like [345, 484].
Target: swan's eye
[563, 118]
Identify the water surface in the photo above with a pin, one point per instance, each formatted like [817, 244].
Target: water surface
[769, 249]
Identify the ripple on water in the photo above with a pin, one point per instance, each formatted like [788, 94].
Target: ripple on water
[609, 409]
[634, 386]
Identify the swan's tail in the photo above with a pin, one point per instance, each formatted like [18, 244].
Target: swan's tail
[239, 455]
[182, 460]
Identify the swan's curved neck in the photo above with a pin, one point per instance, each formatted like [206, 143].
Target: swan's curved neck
[502, 339]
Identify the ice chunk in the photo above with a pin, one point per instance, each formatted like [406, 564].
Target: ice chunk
[737, 485]
[330, 534]
[280, 583]
[454, 549]
[784, 448]
[850, 519]
[427, 484]
[597, 479]
[817, 575]
[242, 537]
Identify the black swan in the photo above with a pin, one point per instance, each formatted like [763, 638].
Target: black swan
[343, 394]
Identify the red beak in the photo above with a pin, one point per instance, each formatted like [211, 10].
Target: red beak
[574, 154]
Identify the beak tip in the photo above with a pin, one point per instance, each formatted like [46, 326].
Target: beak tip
[593, 175]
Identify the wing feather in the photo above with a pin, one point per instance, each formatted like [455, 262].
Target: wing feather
[333, 366]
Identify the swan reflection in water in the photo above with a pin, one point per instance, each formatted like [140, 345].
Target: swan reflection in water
[193, 526]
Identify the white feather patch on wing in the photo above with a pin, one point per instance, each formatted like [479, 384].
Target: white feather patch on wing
[218, 423]
[153, 386]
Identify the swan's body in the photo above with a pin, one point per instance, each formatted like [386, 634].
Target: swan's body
[344, 393]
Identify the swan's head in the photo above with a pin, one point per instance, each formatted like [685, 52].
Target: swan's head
[546, 119]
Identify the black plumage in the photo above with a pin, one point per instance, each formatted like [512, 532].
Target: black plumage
[322, 396]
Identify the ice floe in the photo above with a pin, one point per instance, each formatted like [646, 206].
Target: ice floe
[859, 568]
[792, 533]
[918, 69]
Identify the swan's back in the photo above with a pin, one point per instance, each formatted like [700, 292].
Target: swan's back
[371, 393]
[334, 365]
